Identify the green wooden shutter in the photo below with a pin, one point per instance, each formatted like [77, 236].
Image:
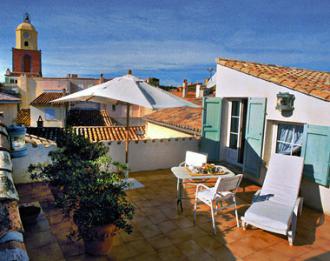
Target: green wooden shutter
[254, 134]
[211, 121]
[316, 153]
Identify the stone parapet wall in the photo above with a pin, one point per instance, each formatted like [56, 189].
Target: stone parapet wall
[153, 154]
[143, 154]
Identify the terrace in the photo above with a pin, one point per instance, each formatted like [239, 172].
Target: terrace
[160, 233]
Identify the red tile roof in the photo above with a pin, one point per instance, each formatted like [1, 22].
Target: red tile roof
[23, 73]
[7, 98]
[23, 117]
[184, 119]
[190, 96]
[314, 83]
[47, 97]
[115, 133]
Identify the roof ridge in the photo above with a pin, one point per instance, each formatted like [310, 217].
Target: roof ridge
[268, 64]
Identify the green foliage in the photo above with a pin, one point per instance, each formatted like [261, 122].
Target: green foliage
[9, 185]
[103, 201]
[92, 190]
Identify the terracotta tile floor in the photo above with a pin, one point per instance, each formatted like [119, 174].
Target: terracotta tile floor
[160, 233]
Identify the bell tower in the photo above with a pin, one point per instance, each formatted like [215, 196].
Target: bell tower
[26, 35]
[26, 56]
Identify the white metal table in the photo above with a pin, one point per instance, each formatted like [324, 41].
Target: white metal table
[181, 173]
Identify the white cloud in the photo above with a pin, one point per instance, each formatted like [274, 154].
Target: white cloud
[141, 55]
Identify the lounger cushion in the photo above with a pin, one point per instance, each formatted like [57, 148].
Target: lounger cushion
[282, 181]
[269, 215]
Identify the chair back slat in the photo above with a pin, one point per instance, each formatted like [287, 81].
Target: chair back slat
[228, 183]
[195, 159]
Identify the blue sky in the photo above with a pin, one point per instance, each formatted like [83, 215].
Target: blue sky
[169, 39]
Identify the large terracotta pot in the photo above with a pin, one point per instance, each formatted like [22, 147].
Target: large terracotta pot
[103, 242]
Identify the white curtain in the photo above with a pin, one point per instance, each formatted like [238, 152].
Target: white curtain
[289, 138]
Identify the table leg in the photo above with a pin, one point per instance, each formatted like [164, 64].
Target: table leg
[179, 195]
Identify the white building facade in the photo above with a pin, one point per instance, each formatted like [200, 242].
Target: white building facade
[244, 125]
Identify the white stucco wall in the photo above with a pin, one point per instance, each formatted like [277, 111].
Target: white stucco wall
[153, 154]
[154, 131]
[35, 154]
[9, 113]
[40, 111]
[143, 155]
[308, 109]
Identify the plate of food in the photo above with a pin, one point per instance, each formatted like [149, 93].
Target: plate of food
[208, 169]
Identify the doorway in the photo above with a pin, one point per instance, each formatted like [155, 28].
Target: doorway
[236, 131]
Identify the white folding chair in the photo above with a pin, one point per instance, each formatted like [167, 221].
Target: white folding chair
[224, 189]
[194, 159]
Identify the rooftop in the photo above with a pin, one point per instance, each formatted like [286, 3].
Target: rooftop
[314, 83]
[46, 97]
[185, 119]
[17, 74]
[7, 98]
[190, 96]
[160, 233]
[97, 133]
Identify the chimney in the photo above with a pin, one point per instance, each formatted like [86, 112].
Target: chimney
[72, 75]
[101, 79]
[184, 88]
[198, 90]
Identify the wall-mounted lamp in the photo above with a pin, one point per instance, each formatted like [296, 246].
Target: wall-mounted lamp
[285, 102]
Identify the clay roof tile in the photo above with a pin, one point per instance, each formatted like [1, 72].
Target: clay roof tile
[315, 83]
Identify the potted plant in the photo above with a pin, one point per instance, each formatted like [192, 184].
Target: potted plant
[90, 190]
[101, 210]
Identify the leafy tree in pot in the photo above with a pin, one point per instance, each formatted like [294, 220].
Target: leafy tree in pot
[92, 191]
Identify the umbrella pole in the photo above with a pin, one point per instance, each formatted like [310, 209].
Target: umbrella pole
[127, 132]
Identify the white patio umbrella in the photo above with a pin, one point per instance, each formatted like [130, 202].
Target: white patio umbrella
[130, 90]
